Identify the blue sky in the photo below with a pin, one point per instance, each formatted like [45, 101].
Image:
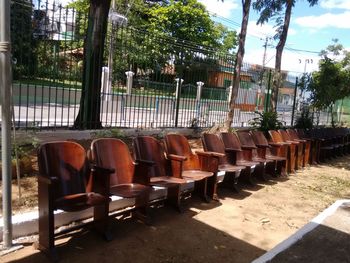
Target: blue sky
[311, 29]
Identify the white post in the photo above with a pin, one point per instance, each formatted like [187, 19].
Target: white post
[129, 79]
[229, 93]
[106, 88]
[5, 94]
[200, 85]
[177, 87]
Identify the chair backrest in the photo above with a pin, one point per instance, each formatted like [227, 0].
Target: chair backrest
[293, 134]
[212, 143]
[178, 144]
[275, 136]
[230, 140]
[246, 138]
[285, 135]
[67, 162]
[114, 153]
[150, 149]
[259, 138]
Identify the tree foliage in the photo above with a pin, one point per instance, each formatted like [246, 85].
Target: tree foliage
[281, 11]
[332, 81]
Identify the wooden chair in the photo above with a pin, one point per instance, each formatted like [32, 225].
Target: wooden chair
[306, 145]
[247, 143]
[187, 165]
[131, 179]
[241, 156]
[271, 152]
[228, 172]
[300, 145]
[66, 182]
[161, 173]
[314, 145]
[284, 149]
[326, 147]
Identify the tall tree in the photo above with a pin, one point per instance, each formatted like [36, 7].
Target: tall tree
[239, 60]
[274, 9]
[331, 82]
[89, 111]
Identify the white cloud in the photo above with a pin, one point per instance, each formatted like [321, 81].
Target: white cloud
[221, 8]
[330, 4]
[265, 30]
[326, 20]
[291, 61]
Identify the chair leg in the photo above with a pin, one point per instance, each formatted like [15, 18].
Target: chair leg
[174, 197]
[248, 176]
[101, 221]
[212, 187]
[201, 187]
[46, 242]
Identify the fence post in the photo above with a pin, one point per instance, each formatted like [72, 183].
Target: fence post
[129, 80]
[267, 98]
[200, 85]
[294, 101]
[105, 87]
[177, 97]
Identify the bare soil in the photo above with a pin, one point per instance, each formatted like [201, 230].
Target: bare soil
[239, 228]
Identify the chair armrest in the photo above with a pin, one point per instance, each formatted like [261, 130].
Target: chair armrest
[144, 162]
[210, 154]
[175, 157]
[99, 181]
[263, 146]
[232, 150]
[276, 144]
[246, 147]
[47, 180]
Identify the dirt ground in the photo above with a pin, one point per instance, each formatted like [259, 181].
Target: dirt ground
[239, 228]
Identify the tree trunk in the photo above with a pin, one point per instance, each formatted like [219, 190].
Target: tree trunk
[90, 102]
[277, 80]
[238, 62]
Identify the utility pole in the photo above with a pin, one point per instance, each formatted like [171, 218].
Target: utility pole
[5, 94]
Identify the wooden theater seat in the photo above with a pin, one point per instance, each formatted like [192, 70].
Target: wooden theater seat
[197, 166]
[227, 172]
[300, 145]
[306, 145]
[271, 152]
[284, 149]
[248, 144]
[131, 178]
[162, 173]
[66, 182]
[232, 143]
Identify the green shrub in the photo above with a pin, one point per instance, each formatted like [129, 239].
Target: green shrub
[266, 121]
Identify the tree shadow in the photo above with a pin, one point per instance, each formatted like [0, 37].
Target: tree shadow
[174, 237]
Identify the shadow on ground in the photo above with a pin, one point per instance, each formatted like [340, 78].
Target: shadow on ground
[174, 238]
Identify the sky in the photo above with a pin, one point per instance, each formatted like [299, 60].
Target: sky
[311, 30]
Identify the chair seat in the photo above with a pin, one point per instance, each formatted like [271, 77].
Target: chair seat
[260, 160]
[76, 202]
[230, 168]
[158, 193]
[247, 163]
[166, 181]
[196, 175]
[129, 190]
[275, 158]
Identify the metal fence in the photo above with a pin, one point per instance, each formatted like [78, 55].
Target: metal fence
[148, 80]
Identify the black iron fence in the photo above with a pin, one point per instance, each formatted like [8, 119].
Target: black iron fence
[148, 80]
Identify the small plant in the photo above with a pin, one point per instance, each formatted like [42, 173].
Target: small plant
[304, 121]
[108, 133]
[266, 121]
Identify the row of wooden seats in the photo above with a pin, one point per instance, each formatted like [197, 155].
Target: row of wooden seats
[71, 179]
